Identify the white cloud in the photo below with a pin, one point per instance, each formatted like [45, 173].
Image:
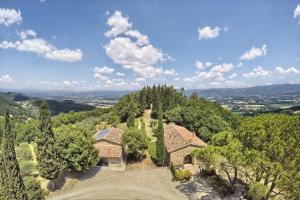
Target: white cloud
[170, 72]
[176, 79]
[208, 64]
[199, 64]
[254, 53]
[6, 79]
[288, 71]
[100, 77]
[216, 72]
[240, 64]
[10, 16]
[232, 76]
[44, 49]
[140, 79]
[258, 72]
[208, 32]
[120, 74]
[66, 55]
[141, 60]
[118, 24]
[103, 70]
[141, 39]
[297, 11]
[25, 34]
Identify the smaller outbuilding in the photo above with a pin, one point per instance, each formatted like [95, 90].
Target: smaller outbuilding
[109, 147]
[179, 144]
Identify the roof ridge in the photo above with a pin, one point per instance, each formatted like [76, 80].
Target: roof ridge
[180, 133]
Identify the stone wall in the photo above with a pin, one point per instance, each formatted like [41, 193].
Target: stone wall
[177, 157]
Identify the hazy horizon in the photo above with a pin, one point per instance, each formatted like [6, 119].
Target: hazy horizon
[119, 46]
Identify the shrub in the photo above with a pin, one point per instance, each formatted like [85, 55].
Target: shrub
[152, 149]
[33, 188]
[27, 167]
[183, 175]
[23, 151]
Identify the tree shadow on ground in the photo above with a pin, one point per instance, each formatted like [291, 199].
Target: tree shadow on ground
[60, 181]
[207, 187]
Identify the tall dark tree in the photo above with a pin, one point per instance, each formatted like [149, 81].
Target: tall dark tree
[13, 188]
[160, 150]
[48, 160]
[155, 101]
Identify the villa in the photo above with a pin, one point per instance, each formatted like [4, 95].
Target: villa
[109, 147]
[179, 145]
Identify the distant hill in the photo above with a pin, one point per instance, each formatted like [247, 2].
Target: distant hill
[27, 106]
[267, 90]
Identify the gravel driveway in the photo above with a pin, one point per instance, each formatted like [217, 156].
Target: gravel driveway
[122, 185]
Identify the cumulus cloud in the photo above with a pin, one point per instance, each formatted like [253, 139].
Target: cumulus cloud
[216, 72]
[10, 16]
[27, 33]
[6, 79]
[170, 72]
[120, 74]
[141, 39]
[232, 76]
[257, 72]
[66, 55]
[103, 70]
[118, 24]
[288, 71]
[141, 60]
[208, 32]
[100, 77]
[297, 11]
[44, 49]
[131, 49]
[140, 79]
[254, 52]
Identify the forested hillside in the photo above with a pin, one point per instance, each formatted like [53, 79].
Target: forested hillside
[23, 106]
[260, 152]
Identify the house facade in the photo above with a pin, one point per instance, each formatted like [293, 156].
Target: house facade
[109, 146]
[179, 145]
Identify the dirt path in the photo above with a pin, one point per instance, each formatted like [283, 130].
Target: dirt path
[44, 182]
[149, 131]
[153, 184]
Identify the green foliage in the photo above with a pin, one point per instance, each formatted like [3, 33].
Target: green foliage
[263, 151]
[76, 150]
[27, 167]
[152, 149]
[201, 116]
[173, 170]
[23, 152]
[258, 191]
[56, 107]
[49, 164]
[160, 148]
[26, 131]
[183, 175]
[135, 143]
[33, 188]
[12, 181]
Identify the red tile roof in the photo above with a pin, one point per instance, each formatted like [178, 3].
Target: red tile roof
[110, 151]
[114, 135]
[177, 137]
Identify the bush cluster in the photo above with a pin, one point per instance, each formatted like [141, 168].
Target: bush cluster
[183, 175]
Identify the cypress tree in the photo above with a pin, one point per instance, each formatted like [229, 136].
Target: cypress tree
[12, 185]
[48, 159]
[160, 149]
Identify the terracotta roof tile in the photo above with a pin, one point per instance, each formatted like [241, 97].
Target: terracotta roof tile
[113, 135]
[177, 137]
[111, 151]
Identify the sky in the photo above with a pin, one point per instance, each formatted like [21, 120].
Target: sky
[125, 45]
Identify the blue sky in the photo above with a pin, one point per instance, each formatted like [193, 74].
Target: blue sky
[116, 45]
